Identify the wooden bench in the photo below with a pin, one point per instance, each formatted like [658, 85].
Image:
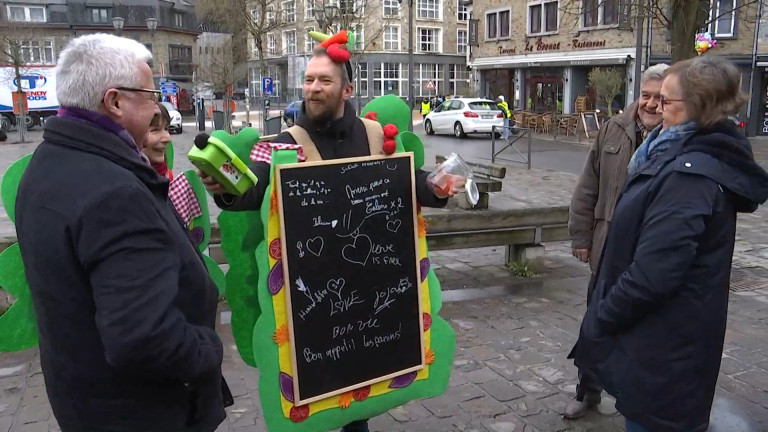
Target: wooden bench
[487, 178]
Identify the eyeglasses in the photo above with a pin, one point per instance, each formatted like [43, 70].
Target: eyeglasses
[154, 94]
[665, 101]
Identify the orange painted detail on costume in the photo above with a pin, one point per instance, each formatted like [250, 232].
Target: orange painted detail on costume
[429, 356]
[281, 335]
[345, 399]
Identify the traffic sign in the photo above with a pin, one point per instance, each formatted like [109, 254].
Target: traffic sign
[266, 103]
[430, 85]
[168, 88]
[267, 86]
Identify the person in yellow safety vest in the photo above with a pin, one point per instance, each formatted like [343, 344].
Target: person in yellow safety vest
[502, 105]
[425, 106]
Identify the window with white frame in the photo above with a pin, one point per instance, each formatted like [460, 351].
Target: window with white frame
[350, 7]
[392, 38]
[309, 9]
[543, 17]
[390, 78]
[309, 43]
[596, 13]
[358, 31]
[254, 49]
[723, 18]
[391, 8]
[458, 79]
[100, 14]
[178, 19]
[271, 45]
[26, 13]
[497, 24]
[462, 12]
[429, 40]
[428, 9]
[36, 52]
[255, 15]
[361, 82]
[289, 42]
[424, 73]
[461, 41]
[289, 11]
[270, 15]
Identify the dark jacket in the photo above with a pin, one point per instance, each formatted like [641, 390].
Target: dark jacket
[655, 326]
[125, 308]
[341, 138]
[601, 182]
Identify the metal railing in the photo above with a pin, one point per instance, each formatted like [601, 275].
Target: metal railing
[514, 135]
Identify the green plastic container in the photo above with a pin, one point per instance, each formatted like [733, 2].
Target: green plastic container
[221, 163]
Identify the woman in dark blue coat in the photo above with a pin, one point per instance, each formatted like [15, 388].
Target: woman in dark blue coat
[655, 326]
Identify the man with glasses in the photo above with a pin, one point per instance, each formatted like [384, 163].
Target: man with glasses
[125, 308]
[596, 193]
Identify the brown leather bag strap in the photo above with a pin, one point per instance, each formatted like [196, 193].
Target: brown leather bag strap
[303, 139]
[375, 136]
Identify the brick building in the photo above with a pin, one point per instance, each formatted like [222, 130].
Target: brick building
[539, 53]
[381, 54]
[166, 27]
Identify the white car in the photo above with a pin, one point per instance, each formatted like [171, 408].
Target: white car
[463, 116]
[175, 126]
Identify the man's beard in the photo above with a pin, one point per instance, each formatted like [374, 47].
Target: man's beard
[322, 114]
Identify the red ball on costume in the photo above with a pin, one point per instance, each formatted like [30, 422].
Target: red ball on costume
[370, 116]
[389, 147]
[337, 53]
[390, 131]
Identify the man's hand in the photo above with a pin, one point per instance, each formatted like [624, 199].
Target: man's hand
[581, 254]
[211, 185]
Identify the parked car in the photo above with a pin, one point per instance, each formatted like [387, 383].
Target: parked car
[291, 113]
[463, 116]
[175, 126]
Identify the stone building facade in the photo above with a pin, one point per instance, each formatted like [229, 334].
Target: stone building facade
[380, 58]
[539, 53]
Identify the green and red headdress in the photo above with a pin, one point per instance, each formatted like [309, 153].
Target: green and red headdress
[338, 47]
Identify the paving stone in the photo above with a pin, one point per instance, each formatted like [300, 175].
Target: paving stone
[502, 391]
[457, 379]
[484, 407]
[36, 380]
[550, 372]
[12, 386]
[548, 421]
[464, 393]
[526, 406]
[482, 353]
[441, 407]
[730, 366]
[14, 370]
[527, 357]
[536, 388]
[466, 365]
[35, 395]
[505, 367]
[5, 424]
[35, 413]
[482, 375]
[505, 423]
[746, 356]
[756, 378]
[739, 388]
[409, 412]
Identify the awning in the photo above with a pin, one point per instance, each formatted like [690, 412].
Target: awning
[580, 58]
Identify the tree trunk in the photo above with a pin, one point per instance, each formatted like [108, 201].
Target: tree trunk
[687, 19]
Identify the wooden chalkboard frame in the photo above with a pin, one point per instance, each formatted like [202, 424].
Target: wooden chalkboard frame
[584, 116]
[298, 401]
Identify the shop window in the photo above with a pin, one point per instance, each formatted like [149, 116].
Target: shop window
[497, 24]
[596, 13]
[723, 18]
[543, 17]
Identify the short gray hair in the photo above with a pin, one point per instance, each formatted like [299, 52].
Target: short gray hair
[92, 64]
[655, 72]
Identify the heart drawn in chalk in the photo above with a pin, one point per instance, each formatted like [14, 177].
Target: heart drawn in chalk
[315, 246]
[394, 225]
[359, 251]
[336, 285]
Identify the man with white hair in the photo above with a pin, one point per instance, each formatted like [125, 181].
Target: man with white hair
[597, 191]
[125, 308]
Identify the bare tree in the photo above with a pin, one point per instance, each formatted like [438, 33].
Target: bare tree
[218, 68]
[607, 83]
[682, 19]
[15, 54]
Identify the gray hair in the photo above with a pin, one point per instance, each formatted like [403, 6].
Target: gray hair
[92, 64]
[655, 73]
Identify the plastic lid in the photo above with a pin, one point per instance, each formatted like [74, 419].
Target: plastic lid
[473, 195]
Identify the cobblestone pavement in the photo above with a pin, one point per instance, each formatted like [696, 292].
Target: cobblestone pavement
[513, 334]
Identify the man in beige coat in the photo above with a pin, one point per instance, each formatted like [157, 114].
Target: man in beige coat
[599, 187]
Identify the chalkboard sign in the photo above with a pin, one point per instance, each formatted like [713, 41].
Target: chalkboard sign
[349, 243]
[590, 122]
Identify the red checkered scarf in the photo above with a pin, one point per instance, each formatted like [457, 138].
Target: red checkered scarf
[183, 199]
[262, 151]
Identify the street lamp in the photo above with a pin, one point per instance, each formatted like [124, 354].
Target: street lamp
[117, 23]
[325, 16]
[410, 56]
[152, 26]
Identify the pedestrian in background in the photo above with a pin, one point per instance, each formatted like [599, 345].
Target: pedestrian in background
[502, 105]
[597, 191]
[655, 326]
[425, 108]
[125, 308]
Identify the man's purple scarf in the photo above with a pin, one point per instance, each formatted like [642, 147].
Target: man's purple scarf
[102, 122]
